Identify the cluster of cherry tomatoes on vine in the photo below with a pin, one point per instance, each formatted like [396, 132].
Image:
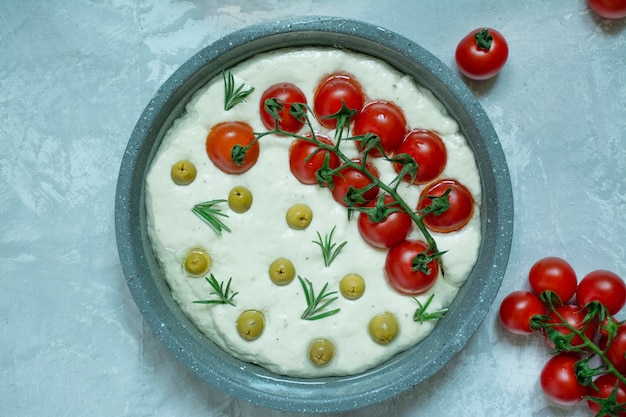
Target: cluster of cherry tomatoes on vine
[384, 221]
[577, 320]
[482, 53]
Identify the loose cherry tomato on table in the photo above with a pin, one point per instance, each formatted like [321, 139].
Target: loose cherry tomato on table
[286, 94]
[380, 230]
[573, 315]
[553, 274]
[603, 286]
[481, 54]
[225, 136]
[349, 179]
[385, 120]
[518, 308]
[305, 158]
[606, 384]
[332, 93]
[457, 215]
[559, 382]
[410, 268]
[428, 150]
[610, 9]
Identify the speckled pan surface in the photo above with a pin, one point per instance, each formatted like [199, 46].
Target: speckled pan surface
[253, 383]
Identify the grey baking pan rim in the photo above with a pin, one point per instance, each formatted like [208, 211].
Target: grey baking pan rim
[253, 383]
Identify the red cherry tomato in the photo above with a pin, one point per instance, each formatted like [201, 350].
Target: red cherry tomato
[350, 178]
[553, 274]
[481, 54]
[558, 380]
[458, 214]
[603, 286]
[220, 142]
[331, 93]
[518, 308]
[385, 120]
[428, 150]
[606, 384]
[286, 94]
[616, 351]
[305, 158]
[401, 273]
[610, 9]
[574, 315]
[388, 232]
[605, 326]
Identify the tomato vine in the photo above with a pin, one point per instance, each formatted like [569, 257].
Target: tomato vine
[368, 143]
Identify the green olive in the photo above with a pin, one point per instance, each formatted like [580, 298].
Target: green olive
[183, 172]
[352, 286]
[321, 351]
[383, 328]
[197, 262]
[282, 271]
[240, 199]
[299, 216]
[250, 324]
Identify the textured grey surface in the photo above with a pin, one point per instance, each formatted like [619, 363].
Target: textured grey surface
[74, 79]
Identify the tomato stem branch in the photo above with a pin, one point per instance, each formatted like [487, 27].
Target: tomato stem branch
[587, 343]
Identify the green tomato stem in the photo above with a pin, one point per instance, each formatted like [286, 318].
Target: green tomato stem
[587, 343]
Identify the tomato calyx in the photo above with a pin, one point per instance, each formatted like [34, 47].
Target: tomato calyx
[342, 116]
[561, 334]
[381, 210]
[408, 166]
[238, 153]
[422, 260]
[483, 38]
[609, 406]
[439, 204]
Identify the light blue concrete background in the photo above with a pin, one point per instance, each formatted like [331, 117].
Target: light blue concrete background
[74, 78]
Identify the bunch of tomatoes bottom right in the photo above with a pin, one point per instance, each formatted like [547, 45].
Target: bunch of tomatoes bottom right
[577, 321]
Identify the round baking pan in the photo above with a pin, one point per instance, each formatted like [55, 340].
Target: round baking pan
[253, 383]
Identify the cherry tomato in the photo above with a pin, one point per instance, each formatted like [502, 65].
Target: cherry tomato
[220, 142]
[351, 178]
[603, 286]
[458, 214]
[331, 93]
[305, 158]
[518, 308]
[553, 274]
[605, 325]
[388, 232]
[606, 384]
[558, 380]
[616, 351]
[610, 9]
[402, 275]
[574, 315]
[286, 94]
[385, 120]
[481, 54]
[428, 150]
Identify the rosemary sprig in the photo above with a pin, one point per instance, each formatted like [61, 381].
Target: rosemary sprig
[232, 95]
[421, 315]
[209, 214]
[220, 291]
[313, 302]
[330, 250]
